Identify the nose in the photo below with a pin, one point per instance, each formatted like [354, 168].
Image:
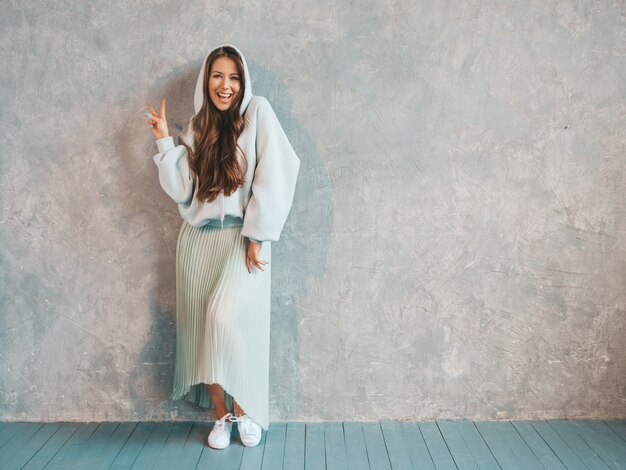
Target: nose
[224, 85]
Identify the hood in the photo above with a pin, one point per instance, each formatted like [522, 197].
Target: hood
[198, 97]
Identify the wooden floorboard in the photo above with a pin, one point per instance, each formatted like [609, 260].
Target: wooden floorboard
[149, 453]
[170, 453]
[253, 456]
[618, 427]
[41, 457]
[71, 450]
[32, 446]
[507, 446]
[382, 445]
[580, 446]
[355, 446]
[397, 446]
[416, 445]
[294, 446]
[437, 447]
[607, 445]
[128, 453]
[19, 437]
[375, 446]
[335, 444]
[461, 452]
[538, 445]
[314, 451]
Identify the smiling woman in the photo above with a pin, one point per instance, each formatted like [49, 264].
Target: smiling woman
[234, 190]
[223, 82]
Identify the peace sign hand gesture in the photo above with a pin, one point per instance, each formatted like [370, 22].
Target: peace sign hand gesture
[157, 121]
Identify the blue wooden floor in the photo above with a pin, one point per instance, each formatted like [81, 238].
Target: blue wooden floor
[571, 444]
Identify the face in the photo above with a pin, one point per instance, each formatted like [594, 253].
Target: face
[224, 83]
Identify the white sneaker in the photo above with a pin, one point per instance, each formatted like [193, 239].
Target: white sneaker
[219, 437]
[249, 431]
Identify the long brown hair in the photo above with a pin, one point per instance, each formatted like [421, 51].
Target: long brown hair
[213, 156]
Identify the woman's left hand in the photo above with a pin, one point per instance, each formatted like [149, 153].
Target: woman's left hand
[252, 259]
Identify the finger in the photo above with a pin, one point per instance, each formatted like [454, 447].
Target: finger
[153, 111]
[152, 118]
[258, 265]
[258, 260]
[248, 264]
[163, 107]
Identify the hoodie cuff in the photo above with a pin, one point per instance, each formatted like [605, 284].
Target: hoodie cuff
[164, 144]
[256, 241]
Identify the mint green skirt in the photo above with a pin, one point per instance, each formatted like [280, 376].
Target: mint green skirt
[222, 320]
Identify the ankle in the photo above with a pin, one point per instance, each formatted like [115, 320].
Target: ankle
[221, 414]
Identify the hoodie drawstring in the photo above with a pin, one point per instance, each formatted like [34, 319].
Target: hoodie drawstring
[222, 208]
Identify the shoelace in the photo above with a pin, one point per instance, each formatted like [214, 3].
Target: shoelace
[222, 421]
[245, 419]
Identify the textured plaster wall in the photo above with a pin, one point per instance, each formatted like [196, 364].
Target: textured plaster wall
[457, 245]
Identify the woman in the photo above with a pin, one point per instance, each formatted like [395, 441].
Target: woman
[233, 178]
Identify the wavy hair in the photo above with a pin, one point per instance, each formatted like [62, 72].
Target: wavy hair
[213, 157]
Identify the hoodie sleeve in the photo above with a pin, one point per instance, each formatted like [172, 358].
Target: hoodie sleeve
[274, 180]
[174, 174]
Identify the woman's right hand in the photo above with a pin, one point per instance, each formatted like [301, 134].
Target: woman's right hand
[157, 121]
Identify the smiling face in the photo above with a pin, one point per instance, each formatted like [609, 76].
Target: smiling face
[224, 83]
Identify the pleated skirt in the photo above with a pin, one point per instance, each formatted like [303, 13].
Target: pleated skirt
[222, 320]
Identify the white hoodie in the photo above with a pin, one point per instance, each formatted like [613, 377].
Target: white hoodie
[261, 206]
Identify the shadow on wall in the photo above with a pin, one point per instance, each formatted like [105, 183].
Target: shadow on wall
[300, 254]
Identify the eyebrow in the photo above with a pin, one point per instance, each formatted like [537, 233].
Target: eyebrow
[221, 73]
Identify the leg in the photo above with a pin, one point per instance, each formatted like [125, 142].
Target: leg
[238, 410]
[216, 393]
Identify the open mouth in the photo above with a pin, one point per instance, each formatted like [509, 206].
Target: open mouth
[224, 97]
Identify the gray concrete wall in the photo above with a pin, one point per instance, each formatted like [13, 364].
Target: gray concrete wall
[457, 245]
